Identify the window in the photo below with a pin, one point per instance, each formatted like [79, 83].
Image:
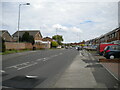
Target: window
[115, 34]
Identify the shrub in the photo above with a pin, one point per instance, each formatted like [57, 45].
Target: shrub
[54, 44]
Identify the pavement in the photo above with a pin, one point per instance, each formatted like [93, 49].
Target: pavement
[86, 72]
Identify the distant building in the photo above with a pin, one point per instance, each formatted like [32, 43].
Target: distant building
[110, 37]
[35, 33]
[6, 36]
[47, 39]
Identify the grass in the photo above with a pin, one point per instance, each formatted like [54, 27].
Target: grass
[13, 51]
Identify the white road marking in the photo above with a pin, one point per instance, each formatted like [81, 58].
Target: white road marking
[60, 53]
[2, 71]
[33, 51]
[27, 66]
[39, 59]
[15, 66]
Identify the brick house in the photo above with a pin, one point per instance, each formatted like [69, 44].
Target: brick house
[37, 38]
[6, 36]
[35, 33]
[47, 39]
[110, 37]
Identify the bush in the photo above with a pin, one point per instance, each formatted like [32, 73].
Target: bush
[54, 44]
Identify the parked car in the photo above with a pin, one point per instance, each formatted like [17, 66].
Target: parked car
[101, 47]
[112, 51]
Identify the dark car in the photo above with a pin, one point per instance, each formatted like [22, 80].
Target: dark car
[112, 51]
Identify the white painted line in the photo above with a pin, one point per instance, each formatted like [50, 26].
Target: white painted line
[27, 66]
[55, 55]
[14, 66]
[39, 59]
[33, 51]
[2, 71]
[60, 53]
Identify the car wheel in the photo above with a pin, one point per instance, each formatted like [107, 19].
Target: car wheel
[111, 56]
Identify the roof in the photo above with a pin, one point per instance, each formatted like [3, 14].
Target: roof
[47, 39]
[31, 32]
[4, 31]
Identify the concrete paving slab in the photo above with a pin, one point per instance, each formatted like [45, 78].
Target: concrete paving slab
[77, 76]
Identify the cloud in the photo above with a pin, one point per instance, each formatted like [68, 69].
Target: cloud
[75, 29]
[89, 19]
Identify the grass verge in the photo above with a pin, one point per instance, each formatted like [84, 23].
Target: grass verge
[13, 51]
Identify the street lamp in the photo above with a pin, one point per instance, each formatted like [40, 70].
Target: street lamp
[56, 34]
[19, 18]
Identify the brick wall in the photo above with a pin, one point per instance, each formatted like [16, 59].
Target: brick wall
[20, 46]
[14, 45]
[38, 46]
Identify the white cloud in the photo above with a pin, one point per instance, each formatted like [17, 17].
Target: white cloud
[75, 29]
[91, 19]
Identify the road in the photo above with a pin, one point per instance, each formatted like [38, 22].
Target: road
[56, 69]
[46, 64]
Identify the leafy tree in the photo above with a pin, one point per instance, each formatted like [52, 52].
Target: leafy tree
[27, 38]
[31, 39]
[54, 44]
[58, 39]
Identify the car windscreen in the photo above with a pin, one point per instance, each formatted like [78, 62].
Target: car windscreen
[106, 48]
[115, 47]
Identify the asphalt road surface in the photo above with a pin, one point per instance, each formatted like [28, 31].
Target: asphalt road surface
[47, 68]
[45, 65]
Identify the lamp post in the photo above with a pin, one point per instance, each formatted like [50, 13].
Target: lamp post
[19, 18]
[56, 34]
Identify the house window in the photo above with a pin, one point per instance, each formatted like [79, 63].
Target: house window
[115, 34]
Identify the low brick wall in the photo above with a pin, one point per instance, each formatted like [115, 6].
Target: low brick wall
[42, 46]
[20, 46]
[14, 45]
[28, 46]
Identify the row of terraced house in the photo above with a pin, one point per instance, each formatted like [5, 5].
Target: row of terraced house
[11, 41]
[110, 37]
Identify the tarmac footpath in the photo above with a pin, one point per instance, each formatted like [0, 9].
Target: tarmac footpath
[86, 72]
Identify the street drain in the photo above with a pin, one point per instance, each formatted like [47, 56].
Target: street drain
[22, 82]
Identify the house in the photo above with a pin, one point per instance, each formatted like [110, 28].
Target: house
[37, 38]
[35, 33]
[47, 39]
[6, 36]
[110, 37]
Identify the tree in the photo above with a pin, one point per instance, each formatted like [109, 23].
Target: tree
[31, 39]
[27, 38]
[58, 39]
[54, 44]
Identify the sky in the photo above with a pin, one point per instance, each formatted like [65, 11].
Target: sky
[75, 20]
